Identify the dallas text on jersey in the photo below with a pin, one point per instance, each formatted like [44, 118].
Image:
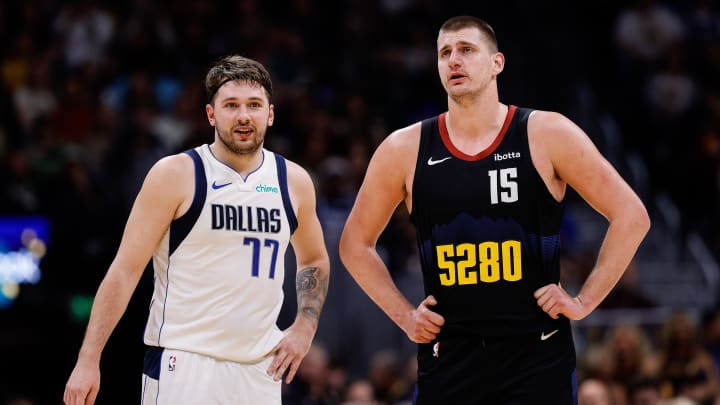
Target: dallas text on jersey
[245, 218]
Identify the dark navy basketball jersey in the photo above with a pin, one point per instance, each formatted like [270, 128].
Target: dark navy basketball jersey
[488, 231]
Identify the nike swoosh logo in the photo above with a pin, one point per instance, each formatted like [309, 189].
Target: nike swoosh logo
[217, 186]
[432, 162]
[543, 336]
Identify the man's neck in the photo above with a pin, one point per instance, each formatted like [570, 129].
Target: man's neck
[474, 126]
[244, 163]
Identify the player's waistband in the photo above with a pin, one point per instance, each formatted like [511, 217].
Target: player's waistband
[502, 331]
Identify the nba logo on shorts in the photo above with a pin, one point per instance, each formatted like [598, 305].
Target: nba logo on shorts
[436, 349]
[171, 363]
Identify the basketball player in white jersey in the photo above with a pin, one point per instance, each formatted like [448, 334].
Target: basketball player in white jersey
[216, 221]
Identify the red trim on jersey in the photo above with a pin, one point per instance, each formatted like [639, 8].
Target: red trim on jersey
[445, 136]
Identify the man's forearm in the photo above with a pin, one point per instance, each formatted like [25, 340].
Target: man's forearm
[372, 275]
[620, 245]
[311, 285]
[109, 305]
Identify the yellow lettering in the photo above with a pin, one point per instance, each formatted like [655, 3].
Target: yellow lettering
[489, 265]
[465, 277]
[460, 264]
[443, 252]
[511, 260]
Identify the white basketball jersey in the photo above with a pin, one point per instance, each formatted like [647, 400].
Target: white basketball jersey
[219, 269]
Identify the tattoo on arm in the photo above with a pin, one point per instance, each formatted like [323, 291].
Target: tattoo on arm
[311, 292]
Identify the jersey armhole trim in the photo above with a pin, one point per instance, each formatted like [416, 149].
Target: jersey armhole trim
[285, 193]
[180, 228]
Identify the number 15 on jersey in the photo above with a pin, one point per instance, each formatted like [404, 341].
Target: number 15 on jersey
[502, 184]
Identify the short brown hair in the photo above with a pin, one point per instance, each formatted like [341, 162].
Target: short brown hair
[467, 21]
[236, 67]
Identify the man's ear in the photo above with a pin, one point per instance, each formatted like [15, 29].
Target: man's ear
[498, 63]
[210, 111]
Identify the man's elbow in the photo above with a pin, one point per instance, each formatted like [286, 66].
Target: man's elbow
[350, 247]
[641, 220]
[345, 247]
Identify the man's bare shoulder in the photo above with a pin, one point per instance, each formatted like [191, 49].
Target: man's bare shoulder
[405, 139]
[172, 170]
[398, 151]
[300, 183]
[296, 172]
[179, 161]
[549, 126]
[393, 163]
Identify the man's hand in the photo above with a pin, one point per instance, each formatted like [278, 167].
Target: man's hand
[83, 385]
[290, 351]
[555, 301]
[424, 324]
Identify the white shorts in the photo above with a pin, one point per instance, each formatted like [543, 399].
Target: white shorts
[190, 378]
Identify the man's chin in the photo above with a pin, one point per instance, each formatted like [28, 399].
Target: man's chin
[463, 94]
[246, 148]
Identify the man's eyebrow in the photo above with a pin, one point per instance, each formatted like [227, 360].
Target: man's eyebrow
[461, 43]
[233, 98]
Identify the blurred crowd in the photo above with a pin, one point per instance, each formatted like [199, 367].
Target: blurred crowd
[667, 99]
[92, 93]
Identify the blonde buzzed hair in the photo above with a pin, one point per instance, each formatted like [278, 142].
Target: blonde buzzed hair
[467, 21]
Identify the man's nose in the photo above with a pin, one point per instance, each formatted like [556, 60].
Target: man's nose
[243, 113]
[454, 60]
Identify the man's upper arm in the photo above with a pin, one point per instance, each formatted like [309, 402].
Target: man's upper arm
[164, 189]
[578, 162]
[308, 241]
[385, 185]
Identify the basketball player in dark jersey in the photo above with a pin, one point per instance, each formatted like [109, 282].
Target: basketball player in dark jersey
[484, 183]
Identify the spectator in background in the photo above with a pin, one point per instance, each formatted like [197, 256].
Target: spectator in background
[20, 193]
[644, 33]
[11, 130]
[86, 31]
[670, 98]
[175, 127]
[36, 99]
[74, 117]
[593, 392]
[17, 63]
[386, 376]
[625, 355]
[646, 30]
[360, 392]
[644, 391]
[686, 367]
[310, 386]
[710, 329]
